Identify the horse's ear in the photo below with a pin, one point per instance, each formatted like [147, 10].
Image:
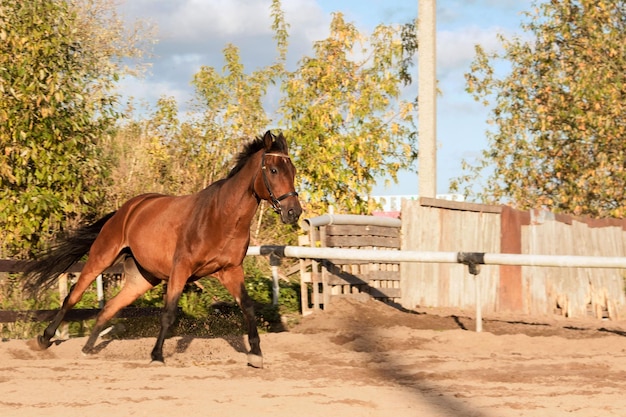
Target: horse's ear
[282, 143]
[268, 140]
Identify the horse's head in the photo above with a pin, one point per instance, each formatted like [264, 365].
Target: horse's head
[276, 182]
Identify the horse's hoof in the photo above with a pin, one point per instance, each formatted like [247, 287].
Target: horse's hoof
[255, 361]
[88, 351]
[36, 345]
[43, 343]
[157, 363]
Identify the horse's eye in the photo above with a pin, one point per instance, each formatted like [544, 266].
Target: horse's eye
[273, 170]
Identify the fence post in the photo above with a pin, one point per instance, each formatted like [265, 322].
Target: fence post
[100, 291]
[64, 329]
[275, 263]
[479, 307]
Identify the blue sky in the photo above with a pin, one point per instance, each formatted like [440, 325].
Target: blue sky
[192, 33]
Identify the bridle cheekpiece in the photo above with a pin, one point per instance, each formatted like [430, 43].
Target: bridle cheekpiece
[274, 201]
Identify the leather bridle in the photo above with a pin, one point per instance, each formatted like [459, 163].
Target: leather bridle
[274, 201]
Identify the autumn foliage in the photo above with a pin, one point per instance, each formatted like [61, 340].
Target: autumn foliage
[70, 151]
[559, 115]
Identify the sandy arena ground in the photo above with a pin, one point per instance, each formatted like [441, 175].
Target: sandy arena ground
[357, 359]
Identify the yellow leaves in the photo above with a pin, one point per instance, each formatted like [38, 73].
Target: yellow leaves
[565, 94]
[406, 110]
[46, 111]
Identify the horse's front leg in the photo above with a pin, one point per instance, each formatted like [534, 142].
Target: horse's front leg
[233, 280]
[255, 357]
[175, 287]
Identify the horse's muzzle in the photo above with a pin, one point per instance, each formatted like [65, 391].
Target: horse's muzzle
[290, 214]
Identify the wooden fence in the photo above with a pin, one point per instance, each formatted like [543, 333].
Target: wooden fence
[573, 292]
[330, 278]
[76, 314]
[448, 226]
[429, 224]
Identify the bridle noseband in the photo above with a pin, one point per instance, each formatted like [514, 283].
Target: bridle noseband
[275, 202]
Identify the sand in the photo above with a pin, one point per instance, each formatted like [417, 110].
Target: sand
[355, 359]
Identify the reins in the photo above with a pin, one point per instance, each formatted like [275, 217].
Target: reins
[275, 202]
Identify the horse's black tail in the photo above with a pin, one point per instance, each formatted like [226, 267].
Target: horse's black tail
[43, 272]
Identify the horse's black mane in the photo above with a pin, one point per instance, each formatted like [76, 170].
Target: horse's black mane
[252, 147]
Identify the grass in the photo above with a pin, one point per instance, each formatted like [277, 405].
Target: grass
[207, 309]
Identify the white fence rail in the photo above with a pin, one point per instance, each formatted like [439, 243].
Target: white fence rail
[477, 258]
[471, 259]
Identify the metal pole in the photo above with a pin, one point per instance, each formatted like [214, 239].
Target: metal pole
[472, 259]
[475, 270]
[478, 258]
[479, 306]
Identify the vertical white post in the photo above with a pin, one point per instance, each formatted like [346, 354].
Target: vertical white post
[100, 291]
[64, 330]
[479, 307]
[427, 98]
[276, 287]
[275, 263]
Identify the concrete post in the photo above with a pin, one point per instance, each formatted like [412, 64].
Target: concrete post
[427, 98]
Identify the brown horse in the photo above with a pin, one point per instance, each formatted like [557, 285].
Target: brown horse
[178, 239]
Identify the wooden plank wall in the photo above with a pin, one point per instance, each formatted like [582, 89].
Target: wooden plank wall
[439, 225]
[345, 278]
[573, 292]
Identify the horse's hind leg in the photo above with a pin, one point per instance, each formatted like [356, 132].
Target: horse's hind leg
[74, 296]
[94, 266]
[233, 280]
[136, 285]
[43, 340]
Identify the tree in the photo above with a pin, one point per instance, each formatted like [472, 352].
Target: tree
[560, 114]
[344, 112]
[232, 110]
[139, 155]
[184, 156]
[59, 62]
[231, 102]
[347, 128]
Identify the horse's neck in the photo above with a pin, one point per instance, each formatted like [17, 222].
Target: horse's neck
[235, 198]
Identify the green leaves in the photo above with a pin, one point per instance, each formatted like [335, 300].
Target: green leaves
[62, 150]
[344, 112]
[57, 75]
[559, 115]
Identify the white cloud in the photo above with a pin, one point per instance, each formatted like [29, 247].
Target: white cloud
[306, 20]
[148, 91]
[190, 20]
[192, 33]
[455, 48]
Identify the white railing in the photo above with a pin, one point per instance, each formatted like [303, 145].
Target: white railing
[472, 259]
